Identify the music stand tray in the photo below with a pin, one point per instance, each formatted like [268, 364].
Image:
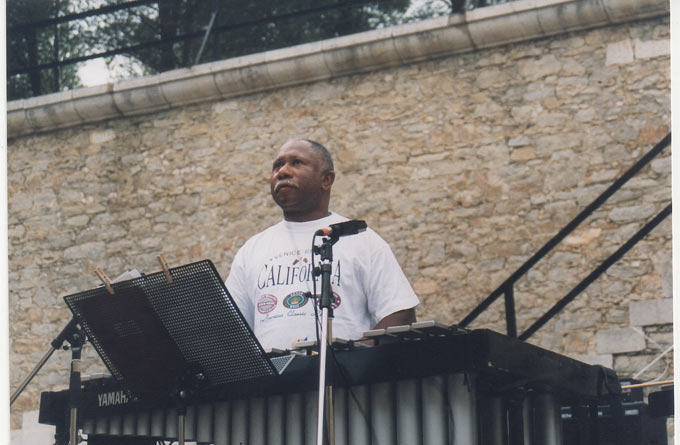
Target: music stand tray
[155, 336]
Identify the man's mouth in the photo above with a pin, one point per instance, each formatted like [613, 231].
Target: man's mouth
[282, 185]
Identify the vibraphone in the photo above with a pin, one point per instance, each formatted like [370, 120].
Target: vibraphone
[423, 384]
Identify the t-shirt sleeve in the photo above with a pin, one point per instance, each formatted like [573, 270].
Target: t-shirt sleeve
[389, 290]
[236, 284]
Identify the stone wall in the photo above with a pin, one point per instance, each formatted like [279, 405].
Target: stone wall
[465, 164]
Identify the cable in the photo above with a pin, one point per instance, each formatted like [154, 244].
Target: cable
[348, 387]
[341, 371]
[317, 321]
[656, 359]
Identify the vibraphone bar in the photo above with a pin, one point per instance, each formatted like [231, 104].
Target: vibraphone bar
[426, 384]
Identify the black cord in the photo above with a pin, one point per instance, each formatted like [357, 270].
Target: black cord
[317, 322]
[343, 375]
[348, 387]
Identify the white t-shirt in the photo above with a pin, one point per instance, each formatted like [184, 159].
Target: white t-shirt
[272, 271]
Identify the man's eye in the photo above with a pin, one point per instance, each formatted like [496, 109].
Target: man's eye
[297, 162]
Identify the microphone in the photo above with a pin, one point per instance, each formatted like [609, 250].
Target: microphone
[343, 229]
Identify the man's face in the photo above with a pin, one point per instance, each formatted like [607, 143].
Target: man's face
[300, 183]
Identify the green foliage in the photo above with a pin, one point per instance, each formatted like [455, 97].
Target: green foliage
[27, 46]
[239, 28]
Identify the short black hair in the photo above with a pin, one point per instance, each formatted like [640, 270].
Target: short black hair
[323, 152]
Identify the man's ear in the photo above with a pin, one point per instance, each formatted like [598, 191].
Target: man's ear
[328, 179]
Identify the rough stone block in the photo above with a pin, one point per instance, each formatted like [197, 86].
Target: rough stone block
[624, 215]
[616, 341]
[646, 313]
[606, 360]
[620, 53]
[31, 431]
[100, 137]
[652, 48]
[523, 154]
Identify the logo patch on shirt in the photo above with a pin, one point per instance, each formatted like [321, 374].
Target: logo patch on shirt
[295, 300]
[266, 303]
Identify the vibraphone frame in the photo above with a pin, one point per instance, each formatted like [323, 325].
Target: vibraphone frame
[478, 387]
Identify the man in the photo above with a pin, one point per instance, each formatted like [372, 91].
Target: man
[272, 272]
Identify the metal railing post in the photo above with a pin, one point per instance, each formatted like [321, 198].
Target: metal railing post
[506, 286]
[510, 320]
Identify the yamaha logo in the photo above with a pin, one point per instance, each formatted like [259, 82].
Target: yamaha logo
[112, 398]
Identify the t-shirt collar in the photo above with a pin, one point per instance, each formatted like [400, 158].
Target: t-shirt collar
[312, 225]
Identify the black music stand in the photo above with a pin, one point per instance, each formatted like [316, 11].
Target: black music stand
[163, 338]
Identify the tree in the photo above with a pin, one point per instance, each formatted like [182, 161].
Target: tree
[167, 34]
[30, 46]
[239, 28]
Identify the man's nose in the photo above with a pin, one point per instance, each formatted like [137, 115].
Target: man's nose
[284, 171]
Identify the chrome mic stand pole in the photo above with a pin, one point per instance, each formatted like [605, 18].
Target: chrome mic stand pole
[326, 252]
[77, 339]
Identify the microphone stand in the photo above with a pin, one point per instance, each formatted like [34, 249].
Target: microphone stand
[76, 338]
[326, 302]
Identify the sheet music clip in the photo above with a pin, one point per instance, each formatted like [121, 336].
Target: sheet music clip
[107, 282]
[164, 266]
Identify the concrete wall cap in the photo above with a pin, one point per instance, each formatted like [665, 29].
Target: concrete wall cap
[139, 95]
[491, 26]
[16, 116]
[189, 85]
[56, 110]
[567, 16]
[96, 103]
[426, 25]
[309, 65]
[352, 54]
[510, 27]
[619, 10]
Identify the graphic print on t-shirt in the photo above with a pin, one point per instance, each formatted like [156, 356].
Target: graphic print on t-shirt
[266, 303]
[283, 283]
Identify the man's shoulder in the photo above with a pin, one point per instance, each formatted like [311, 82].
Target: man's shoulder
[263, 236]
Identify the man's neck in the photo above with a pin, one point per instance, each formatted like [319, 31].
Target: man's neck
[306, 217]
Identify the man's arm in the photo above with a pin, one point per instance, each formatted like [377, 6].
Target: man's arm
[399, 318]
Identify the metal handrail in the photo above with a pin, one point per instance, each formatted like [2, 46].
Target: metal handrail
[602, 268]
[506, 288]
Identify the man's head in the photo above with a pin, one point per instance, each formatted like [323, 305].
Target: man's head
[302, 176]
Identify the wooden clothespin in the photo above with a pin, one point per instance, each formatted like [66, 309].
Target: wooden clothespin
[107, 282]
[164, 266]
